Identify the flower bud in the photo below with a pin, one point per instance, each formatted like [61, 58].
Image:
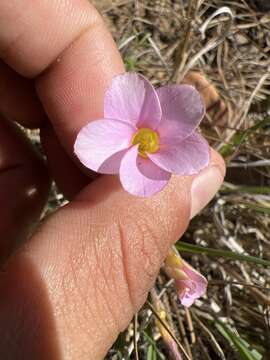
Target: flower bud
[189, 283]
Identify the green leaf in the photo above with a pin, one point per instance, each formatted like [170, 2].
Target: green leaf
[195, 249]
[151, 353]
[231, 188]
[255, 207]
[240, 136]
[130, 63]
[152, 348]
[244, 349]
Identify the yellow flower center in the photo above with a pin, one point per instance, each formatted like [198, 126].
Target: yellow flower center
[148, 141]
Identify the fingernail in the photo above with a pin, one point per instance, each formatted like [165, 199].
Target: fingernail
[204, 187]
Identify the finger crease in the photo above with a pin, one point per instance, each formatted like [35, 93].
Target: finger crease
[124, 266]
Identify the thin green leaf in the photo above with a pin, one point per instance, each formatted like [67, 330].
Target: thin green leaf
[195, 249]
[158, 354]
[244, 349]
[151, 353]
[257, 190]
[255, 207]
[240, 136]
[130, 63]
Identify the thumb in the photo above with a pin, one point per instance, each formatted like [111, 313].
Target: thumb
[89, 267]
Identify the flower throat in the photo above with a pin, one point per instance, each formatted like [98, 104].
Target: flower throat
[147, 140]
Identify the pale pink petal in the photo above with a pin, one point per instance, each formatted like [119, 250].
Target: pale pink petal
[131, 98]
[98, 144]
[197, 278]
[182, 110]
[140, 176]
[187, 302]
[186, 158]
[192, 288]
[183, 293]
[112, 164]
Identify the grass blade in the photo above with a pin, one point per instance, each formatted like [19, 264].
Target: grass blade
[195, 249]
[240, 136]
[152, 350]
[253, 190]
[151, 353]
[255, 207]
[243, 348]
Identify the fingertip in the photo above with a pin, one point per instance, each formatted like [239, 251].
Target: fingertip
[72, 90]
[217, 160]
[206, 184]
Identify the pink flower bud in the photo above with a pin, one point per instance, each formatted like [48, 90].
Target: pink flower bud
[189, 283]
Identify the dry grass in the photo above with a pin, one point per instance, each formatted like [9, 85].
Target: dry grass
[162, 39]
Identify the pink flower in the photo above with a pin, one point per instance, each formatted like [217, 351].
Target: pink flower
[145, 135]
[189, 283]
[192, 288]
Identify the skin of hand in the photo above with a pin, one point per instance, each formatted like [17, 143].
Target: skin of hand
[69, 290]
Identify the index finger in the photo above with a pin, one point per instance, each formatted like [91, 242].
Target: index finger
[65, 45]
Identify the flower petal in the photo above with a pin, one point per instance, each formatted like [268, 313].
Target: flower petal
[98, 143]
[183, 289]
[191, 289]
[182, 110]
[186, 158]
[112, 164]
[131, 98]
[186, 301]
[141, 177]
[198, 280]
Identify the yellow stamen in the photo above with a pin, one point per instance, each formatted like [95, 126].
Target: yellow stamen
[148, 141]
[173, 259]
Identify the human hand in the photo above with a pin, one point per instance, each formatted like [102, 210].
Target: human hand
[78, 281]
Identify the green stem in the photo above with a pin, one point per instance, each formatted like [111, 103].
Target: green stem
[195, 249]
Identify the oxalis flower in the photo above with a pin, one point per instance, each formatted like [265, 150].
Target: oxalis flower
[189, 283]
[146, 134]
